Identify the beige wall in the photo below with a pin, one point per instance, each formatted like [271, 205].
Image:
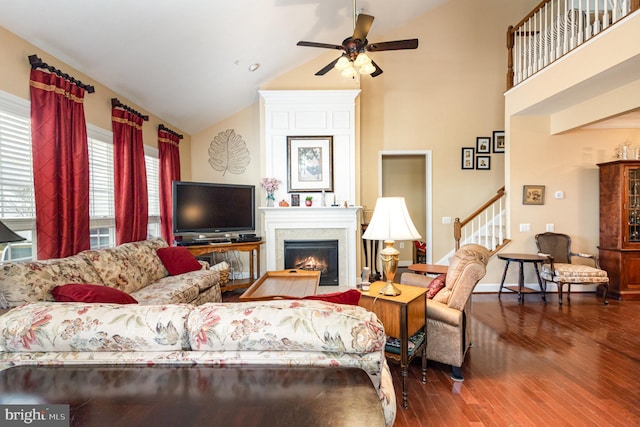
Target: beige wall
[15, 71]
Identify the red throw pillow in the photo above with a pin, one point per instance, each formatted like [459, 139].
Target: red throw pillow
[91, 293]
[178, 260]
[435, 285]
[351, 297]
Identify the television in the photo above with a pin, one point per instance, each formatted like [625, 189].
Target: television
[202, 207]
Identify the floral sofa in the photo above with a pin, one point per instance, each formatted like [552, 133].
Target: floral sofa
[281, 333]
[133, 268]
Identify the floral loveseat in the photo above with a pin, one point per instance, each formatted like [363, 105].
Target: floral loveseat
[281, 333]
[133, 268]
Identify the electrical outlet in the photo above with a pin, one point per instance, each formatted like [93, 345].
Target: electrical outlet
[446, 220]
[550, 228]
[401, 245]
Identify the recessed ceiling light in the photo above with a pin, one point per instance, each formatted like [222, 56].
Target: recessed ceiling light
[254, 67]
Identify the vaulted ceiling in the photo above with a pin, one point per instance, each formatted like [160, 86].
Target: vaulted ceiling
[187, 62]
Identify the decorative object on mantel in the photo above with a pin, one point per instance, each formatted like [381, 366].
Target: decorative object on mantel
[271, 185]
[308, 201]
[335, 203]
[283, 203]
[390, 222]
[310, 163]
[228, 152]
[295, 200]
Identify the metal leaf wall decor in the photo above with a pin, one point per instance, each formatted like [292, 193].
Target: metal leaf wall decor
[228, 152]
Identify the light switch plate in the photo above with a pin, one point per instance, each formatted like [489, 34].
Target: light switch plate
[525, 227]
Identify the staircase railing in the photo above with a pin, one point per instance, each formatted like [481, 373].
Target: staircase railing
[485, 226]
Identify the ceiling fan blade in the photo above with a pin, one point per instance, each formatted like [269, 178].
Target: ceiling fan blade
[363, 25]
[328, 67]
[322, 45]
[394, 45]
[378, 70]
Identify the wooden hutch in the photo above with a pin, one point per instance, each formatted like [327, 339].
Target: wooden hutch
[620, 227]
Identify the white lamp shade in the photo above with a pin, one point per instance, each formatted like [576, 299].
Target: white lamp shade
[391, 221]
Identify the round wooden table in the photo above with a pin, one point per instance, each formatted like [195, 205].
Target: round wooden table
[521, 259]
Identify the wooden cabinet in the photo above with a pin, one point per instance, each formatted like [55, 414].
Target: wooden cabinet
[620, 227]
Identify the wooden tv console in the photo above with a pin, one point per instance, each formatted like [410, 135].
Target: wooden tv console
[252, 247]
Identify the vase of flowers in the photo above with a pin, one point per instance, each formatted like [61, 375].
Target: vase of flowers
[270, 185]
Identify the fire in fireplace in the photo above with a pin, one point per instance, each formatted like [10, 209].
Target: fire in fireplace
[316, 255]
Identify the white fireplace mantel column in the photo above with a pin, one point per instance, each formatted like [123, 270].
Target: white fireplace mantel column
[313, 223]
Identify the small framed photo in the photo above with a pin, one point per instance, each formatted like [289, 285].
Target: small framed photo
[467, 158]
[483, 144]
[483, 162]
[498, 141]
[533, 194]
[295, 200]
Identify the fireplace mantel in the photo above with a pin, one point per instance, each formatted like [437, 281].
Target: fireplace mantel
[313, 223]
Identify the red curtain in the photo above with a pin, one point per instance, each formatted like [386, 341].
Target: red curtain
[60, 165]
[129, 177]
[169, 159]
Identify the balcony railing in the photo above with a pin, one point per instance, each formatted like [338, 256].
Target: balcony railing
[554, 28]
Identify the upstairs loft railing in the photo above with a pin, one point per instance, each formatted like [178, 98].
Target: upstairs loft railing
[555, 27]
[486, 226]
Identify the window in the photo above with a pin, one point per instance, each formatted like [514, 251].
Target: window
[153, 190]
[17, 203]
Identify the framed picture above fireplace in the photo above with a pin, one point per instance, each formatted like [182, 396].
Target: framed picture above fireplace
[309, 163]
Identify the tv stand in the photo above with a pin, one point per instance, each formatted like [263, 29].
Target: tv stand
[252, 247]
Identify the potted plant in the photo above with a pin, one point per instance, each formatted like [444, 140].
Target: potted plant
[308, 200]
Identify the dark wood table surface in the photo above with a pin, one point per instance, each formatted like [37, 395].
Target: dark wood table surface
[172, 395]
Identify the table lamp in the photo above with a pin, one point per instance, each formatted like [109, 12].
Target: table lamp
[390, 222]
[6, 235]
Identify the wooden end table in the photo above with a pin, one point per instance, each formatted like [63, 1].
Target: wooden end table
[428, 268]
[402, 316]
[521, 259]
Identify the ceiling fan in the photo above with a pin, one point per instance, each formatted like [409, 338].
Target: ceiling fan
[354, 59]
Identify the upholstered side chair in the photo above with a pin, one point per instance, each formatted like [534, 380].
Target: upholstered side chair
[449, 312]
[559, 269]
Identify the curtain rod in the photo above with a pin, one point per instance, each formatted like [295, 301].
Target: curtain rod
[166, 129]
[37, 63]
[115, 103]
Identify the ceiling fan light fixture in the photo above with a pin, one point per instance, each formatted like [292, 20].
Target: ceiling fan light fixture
[349, 72]
[367, 69]
[343, 63]
[362, 59]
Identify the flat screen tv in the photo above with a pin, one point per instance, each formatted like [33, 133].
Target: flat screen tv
[202, 207]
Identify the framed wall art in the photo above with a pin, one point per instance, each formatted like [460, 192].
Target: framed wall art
[533, 194]
[310, 163]
[483, 162]
[483, 144]
[498, 141]
[467, 158]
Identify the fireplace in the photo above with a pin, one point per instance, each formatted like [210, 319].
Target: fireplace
[315, 255]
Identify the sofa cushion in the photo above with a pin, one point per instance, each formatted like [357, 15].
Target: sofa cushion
[91, 293]
[173, 289]
[350, 297]
[292, 325]
[22, 282]
[73, 326]
[178, 260]
[130, 266]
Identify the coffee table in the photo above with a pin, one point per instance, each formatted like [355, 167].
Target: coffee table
[283, 284]
[172, 395]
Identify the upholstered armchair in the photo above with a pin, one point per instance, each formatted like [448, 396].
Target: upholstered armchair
[448, 313]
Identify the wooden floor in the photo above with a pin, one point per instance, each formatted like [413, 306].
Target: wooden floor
[535, 364]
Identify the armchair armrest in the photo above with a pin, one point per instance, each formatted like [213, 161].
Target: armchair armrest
[440, 312]
[590, 256]
[414, 279]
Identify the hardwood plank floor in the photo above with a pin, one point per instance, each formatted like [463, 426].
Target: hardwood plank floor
[534, 364]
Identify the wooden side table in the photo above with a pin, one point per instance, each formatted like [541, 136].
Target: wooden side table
[428, 268]
[402, 316]
[534, 259]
